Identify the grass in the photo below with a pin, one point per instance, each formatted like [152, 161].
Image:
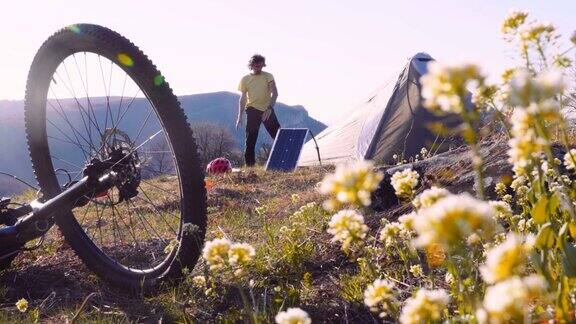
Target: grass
[296, 265]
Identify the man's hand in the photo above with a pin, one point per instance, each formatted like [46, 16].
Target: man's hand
[238, 121]
[267, 113]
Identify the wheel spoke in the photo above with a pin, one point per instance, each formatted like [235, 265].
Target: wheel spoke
[66, 162]
[64, 116]
[70, 141]
[107, 93]
[142, 126]
[78, 107]
[156, 209]
[161, 189]
[90, 106]
[128, 107]
[121, 99]
[145, 221]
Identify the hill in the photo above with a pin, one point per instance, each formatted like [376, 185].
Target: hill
[218, 107]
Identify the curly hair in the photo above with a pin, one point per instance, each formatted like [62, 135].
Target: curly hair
[256, 58]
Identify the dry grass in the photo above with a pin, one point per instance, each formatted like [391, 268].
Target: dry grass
[248, 206]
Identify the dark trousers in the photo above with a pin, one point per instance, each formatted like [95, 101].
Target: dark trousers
[253, 121]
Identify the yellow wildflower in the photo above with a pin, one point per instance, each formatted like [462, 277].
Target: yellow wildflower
[561, 61]
[507, 75]
[514, 20]
[22, 305]
[537, 32]
[526, 89]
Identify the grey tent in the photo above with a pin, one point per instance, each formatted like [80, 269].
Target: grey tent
[392, 121]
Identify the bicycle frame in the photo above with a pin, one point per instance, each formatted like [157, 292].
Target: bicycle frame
[35, 219]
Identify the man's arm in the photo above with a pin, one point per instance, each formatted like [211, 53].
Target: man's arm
[241, 107]
[274, 92]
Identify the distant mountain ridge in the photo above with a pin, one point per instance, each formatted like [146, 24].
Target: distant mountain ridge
[218, 107]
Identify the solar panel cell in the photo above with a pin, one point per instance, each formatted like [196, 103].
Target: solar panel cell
[286, 149]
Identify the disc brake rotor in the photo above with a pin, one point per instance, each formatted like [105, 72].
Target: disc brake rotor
[128, 178]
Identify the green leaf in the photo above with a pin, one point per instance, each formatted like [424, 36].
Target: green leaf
[539, 210]
[563, 308]
[553, 204]
[546, 236]
[562, 236]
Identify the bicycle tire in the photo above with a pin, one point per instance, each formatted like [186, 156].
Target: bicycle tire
[107, 43]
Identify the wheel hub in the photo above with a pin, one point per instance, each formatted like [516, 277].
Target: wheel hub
[115, 141]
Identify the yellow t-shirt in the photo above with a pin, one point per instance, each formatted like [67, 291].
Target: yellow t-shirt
[256, 86]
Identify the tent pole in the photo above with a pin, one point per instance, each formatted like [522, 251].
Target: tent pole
[317, 148]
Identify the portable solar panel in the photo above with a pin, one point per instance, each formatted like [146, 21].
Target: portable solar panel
[286, 149]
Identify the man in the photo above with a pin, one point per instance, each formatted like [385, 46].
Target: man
[259, 95]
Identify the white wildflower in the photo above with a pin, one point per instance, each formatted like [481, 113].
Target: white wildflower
[347, 227]
[416, 270]
[449, 278]
[351, 184]
[429, 196]
[293, 316]
[505, 260]
[215, 253]
[240, 254]
[502, 209]
[425, 306]
[199, 282]
[569, 159]
[404, 182]
[509, 300]
[379, 296]
[451, 220]
[407, 221]
[444, 87]
[389, 233]
[526, 89]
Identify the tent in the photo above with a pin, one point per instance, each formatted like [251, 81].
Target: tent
[392, 121]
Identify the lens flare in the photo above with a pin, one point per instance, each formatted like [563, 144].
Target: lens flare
[74, 28]
[158, 80]
[126, 60]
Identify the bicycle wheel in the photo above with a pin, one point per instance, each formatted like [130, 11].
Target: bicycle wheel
[91, 91]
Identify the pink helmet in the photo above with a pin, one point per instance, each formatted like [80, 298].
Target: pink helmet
[219, 165]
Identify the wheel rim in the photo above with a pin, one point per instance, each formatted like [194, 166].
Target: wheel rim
[94, 106]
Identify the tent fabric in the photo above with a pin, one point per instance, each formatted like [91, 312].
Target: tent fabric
[392, 121]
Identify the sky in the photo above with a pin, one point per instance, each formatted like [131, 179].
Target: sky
[325, 55]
